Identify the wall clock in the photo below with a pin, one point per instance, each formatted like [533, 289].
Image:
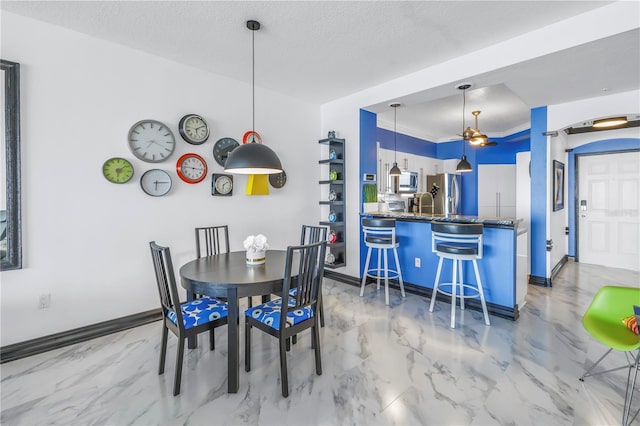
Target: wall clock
[117, 170]
[151, 141]
[277, 180]
[193, 129]
[223, 148]
[221, 184]
[155, 182]
[251, 137]
[191, 168]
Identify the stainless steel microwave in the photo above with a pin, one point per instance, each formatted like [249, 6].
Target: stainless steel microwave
[408, 182]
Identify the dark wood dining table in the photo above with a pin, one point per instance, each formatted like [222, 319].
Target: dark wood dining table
[228, 275]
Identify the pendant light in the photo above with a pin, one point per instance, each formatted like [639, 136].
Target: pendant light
[253, 157]
[463, 164]
[395, 170]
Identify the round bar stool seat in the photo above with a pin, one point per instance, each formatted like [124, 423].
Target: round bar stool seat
[380, 234]
[458, 242]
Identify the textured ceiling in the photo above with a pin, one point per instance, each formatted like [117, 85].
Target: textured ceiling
[323, 50]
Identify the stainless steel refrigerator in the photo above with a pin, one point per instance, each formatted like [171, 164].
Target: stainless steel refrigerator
[445, 189]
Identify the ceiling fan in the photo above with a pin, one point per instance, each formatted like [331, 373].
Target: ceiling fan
[475, 137]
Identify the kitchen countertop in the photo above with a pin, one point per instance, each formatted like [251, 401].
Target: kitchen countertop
[497, 221]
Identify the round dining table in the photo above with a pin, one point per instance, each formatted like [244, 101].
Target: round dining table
[228, 275]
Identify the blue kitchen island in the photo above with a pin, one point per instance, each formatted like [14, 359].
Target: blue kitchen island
[503, 267]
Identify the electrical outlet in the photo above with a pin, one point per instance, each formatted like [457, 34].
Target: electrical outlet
[45, 301]
[417, 262]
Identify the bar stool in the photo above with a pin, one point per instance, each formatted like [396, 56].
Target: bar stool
[380, 234]
[458, 242]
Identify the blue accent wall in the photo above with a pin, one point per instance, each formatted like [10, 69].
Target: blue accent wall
[368, 163]
[539, 192]
[406, 143]
[368, 137]
[608, 146]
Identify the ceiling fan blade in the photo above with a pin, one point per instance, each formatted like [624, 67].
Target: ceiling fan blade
[490, 143]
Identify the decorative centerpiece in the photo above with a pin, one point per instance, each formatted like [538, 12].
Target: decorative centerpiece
[256, 247]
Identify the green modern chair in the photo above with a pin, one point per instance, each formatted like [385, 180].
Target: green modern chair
[603, 320]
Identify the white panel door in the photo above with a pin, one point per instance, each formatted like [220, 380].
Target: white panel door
[609, 210]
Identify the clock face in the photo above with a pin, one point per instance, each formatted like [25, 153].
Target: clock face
[278, 180]
[223, 148]
[151, 141]
[221, 184]
[194, 129]
[117, 170]
[191, 168]
[251, 137]
[155, 182]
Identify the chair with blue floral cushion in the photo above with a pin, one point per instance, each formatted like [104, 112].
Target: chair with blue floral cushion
[309, 235]
[299, 313]
[191, 319]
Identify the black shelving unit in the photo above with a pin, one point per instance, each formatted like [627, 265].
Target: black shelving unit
[335, 164]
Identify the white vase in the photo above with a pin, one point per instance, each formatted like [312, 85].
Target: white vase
[256, 257]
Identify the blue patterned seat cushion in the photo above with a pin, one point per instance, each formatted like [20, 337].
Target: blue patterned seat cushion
[200, 311]
[269, 313]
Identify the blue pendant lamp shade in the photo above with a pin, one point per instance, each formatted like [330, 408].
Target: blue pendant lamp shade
[253, 158]
[395, 170]
[463, 164]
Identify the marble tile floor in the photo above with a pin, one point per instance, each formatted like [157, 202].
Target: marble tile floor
[396, 364]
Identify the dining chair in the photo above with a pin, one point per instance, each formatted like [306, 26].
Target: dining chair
[284, 320]
[183, 319]
[313, 234]
[212, 240]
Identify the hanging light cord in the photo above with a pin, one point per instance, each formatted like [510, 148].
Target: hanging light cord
[253, 81]
[464, 104]
[395, 135]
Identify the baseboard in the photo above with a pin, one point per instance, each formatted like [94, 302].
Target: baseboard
[347, 279]
[558, 267]
[77, 335]
[473, 304]
[540, 281]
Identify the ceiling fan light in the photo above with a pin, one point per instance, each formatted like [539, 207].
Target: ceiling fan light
[478, 138]
[463, 165]
[609, 122]
[467, 133]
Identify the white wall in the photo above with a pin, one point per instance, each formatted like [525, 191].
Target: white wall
[85, 240]
[343, 114]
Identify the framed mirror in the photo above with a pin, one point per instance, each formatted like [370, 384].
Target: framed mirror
[10, 216]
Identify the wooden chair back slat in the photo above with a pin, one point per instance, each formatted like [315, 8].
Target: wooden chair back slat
[212, 240]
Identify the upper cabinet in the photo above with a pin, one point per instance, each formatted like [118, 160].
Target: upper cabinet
[497, 190]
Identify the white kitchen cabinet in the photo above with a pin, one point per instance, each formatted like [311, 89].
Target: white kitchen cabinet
[450, 166]
[497, 190]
